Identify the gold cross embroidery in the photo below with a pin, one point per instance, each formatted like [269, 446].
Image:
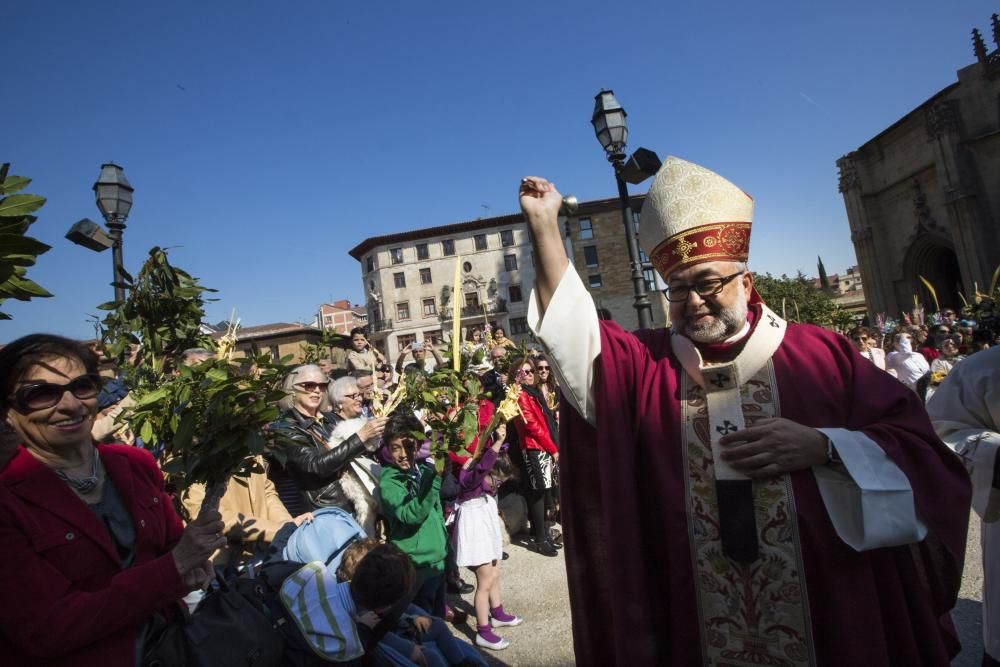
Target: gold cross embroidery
[684, 247]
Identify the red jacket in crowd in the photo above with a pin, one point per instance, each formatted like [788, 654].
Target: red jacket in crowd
[64, 598]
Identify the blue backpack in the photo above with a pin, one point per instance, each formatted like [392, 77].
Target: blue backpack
[325, 538]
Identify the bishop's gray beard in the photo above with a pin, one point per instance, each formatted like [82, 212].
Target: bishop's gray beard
[725, 323]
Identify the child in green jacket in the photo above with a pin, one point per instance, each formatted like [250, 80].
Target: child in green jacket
[411, 504]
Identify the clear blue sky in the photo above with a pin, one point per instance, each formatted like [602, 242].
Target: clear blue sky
[264, 140]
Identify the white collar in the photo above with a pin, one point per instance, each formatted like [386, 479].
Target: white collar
[764, 341]
[739, 334]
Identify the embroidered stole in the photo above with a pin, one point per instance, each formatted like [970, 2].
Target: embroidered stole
[754, 612]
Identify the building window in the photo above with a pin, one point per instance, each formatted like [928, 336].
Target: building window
[399, 280]
[642, 256]
[480, 240]
[586, 229]
[510, 262]
[515, 293]
[507, 237]
[328, 319]
[430, 307]
[594, 280]
[590, 255]
[518, 325]
[397, 255]
[471, 300]
[403, 310]
[448, 247]
[422, 252]
[467, 267]
[425, 276]
[370, 263]
[635, 221]
[433, 337]
[273, 351]
[405, 339]
[650, 276]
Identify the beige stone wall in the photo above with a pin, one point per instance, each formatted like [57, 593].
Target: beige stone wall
[617, 292]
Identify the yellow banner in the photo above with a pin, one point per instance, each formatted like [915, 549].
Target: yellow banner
[456, 316]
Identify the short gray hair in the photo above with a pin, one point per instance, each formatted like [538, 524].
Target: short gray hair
[196, 352]
[288, 386]
[340, 388]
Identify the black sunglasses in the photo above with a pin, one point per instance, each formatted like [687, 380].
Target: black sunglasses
[41, 395]
[309, 387]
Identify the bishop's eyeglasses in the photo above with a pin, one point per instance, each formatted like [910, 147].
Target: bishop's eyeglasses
[706, 287]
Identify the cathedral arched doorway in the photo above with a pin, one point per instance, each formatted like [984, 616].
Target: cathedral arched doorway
[934, 258]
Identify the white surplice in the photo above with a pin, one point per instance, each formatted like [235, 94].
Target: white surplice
[965, 411]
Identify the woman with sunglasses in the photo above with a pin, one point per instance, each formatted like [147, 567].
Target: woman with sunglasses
[537, 433]
[862, 339]
[546, 382]
[94, 545]
[309, 476]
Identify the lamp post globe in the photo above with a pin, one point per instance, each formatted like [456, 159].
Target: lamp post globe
[612, 131]
[114, 200]
[609, 124]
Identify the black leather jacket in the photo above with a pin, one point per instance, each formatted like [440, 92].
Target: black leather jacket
[313, 468]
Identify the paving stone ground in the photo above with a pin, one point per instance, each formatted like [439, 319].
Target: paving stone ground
[534, 587]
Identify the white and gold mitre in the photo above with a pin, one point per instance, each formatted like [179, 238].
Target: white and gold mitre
[693, 215]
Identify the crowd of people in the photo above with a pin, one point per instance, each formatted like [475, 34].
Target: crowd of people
[100, 531]
[736, 489]
[921, 355]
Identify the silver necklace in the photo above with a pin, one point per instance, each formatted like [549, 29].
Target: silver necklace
[82, 484]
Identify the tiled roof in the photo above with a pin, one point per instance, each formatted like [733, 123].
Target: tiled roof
[275, 328]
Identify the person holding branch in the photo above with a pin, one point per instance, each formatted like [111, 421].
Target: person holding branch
[96, 546]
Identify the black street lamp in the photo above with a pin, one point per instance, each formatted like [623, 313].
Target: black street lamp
[114, 199]
[612, 131]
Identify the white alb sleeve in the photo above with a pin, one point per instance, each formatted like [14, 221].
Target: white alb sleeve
[571, 337]
[872, 505]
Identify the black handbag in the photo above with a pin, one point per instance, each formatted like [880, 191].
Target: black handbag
[228, 628]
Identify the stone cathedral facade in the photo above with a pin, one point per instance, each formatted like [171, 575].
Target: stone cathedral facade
[923, 197]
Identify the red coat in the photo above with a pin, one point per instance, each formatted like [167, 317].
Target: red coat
[64, 597]
[533, 429]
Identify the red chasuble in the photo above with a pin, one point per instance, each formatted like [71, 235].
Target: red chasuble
[648, 588]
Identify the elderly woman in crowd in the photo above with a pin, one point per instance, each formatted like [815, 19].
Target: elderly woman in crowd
[308, 478]
[907, 365]
[862, 339]
[92, 541]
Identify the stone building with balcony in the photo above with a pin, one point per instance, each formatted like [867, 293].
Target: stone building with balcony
[409, 276]
[921, 196]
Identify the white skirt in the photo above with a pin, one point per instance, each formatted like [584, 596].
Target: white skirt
[477, 535]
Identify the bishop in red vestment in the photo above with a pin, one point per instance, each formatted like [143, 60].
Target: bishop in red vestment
[738, 490]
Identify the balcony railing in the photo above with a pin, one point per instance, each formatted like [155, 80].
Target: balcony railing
[375, 326]
[475, 311]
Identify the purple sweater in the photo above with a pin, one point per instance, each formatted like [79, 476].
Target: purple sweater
[473, 482]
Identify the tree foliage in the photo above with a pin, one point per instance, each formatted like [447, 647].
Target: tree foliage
[797, 300]
[160, 317]
[208, 420]
[18, 251]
